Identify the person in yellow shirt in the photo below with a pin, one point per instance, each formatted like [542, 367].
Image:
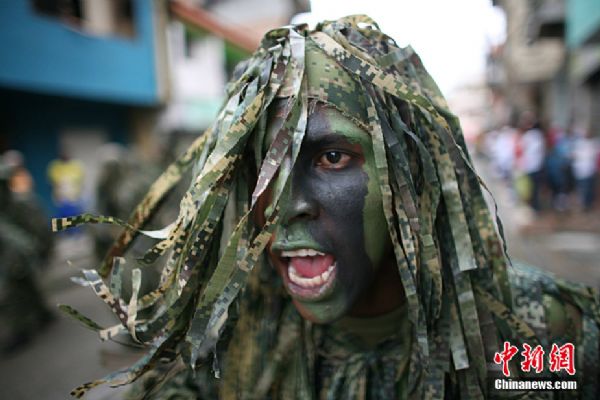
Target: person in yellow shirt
[66, 177]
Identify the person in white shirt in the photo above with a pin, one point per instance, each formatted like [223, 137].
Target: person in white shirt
[503, 152]
[530, 152]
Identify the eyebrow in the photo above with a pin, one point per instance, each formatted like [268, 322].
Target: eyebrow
[320, 137]
[325, 138]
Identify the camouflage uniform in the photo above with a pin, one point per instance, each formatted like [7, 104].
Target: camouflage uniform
[220, 305]
[24, 246]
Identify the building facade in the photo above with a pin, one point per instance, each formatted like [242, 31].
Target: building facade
[76, 74]
[550, 62]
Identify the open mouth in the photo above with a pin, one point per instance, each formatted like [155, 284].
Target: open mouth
[310, 273]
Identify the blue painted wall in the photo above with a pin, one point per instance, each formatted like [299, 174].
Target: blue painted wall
[583, 19]
[39, 53]
[32, 123]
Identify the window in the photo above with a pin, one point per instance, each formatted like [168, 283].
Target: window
[103, 18]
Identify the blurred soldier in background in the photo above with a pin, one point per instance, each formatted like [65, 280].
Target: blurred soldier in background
[122, 182]
[25, 244]
[110, 193]
[26, 208]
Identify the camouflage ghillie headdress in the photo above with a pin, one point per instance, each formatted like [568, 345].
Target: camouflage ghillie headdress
[448, 250]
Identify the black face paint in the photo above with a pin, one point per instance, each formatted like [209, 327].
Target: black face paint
[321, 250]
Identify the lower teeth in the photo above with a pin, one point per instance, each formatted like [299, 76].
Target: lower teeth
[316, 281]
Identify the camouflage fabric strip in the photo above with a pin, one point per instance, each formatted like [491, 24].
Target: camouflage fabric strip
[504, 314]
[136, 281]
[250, 258]
[229, 289]
[278, 147]
[194, 245]
[88, 323]
[157, 191]
[406, 261]
[275, 85]
[166, 291]
[124, 377]
[470, 319]
[433, 386]
[60, 224]
[457, 344]
[429, 203]
[104, 293]
[391, 83]
[115, 277]
[166, 317]
[219, 160]
[219, 283]
[197, 332]
[454, 207]
[400, 169]
[112, 332]
[297, 125]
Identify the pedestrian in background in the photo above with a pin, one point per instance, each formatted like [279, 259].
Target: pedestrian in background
[560, 167]
[66, 177]
[585, 156]
[503, 153]
[530, 148]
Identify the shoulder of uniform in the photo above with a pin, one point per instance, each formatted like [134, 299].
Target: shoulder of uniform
[555, 308]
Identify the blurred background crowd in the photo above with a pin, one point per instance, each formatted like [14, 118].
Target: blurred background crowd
[98, 96]
[551, 169]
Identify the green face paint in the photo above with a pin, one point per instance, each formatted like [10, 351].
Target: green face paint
[333, 239]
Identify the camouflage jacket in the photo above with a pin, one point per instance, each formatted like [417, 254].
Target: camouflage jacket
[320, 362]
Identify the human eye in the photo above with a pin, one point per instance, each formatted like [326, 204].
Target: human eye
[333, 159]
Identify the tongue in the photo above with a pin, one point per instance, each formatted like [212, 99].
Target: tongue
[309, 267]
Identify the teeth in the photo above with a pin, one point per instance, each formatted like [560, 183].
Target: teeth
[301, 253]
[310, 282]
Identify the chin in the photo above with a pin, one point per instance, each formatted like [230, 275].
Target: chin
[320, 313]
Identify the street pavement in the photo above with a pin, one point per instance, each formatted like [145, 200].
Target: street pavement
[65, 354]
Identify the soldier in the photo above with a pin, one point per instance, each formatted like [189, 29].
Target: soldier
[334, 243]
[22, 251]
[25, 208]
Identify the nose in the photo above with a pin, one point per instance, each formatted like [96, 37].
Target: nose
[302, 205]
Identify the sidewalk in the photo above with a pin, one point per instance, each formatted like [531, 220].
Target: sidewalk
[65, 354]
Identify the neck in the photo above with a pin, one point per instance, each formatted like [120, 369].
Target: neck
[385, 294]
[371, 331]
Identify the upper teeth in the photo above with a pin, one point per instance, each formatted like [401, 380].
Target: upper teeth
[301, 253]
[310, 282]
